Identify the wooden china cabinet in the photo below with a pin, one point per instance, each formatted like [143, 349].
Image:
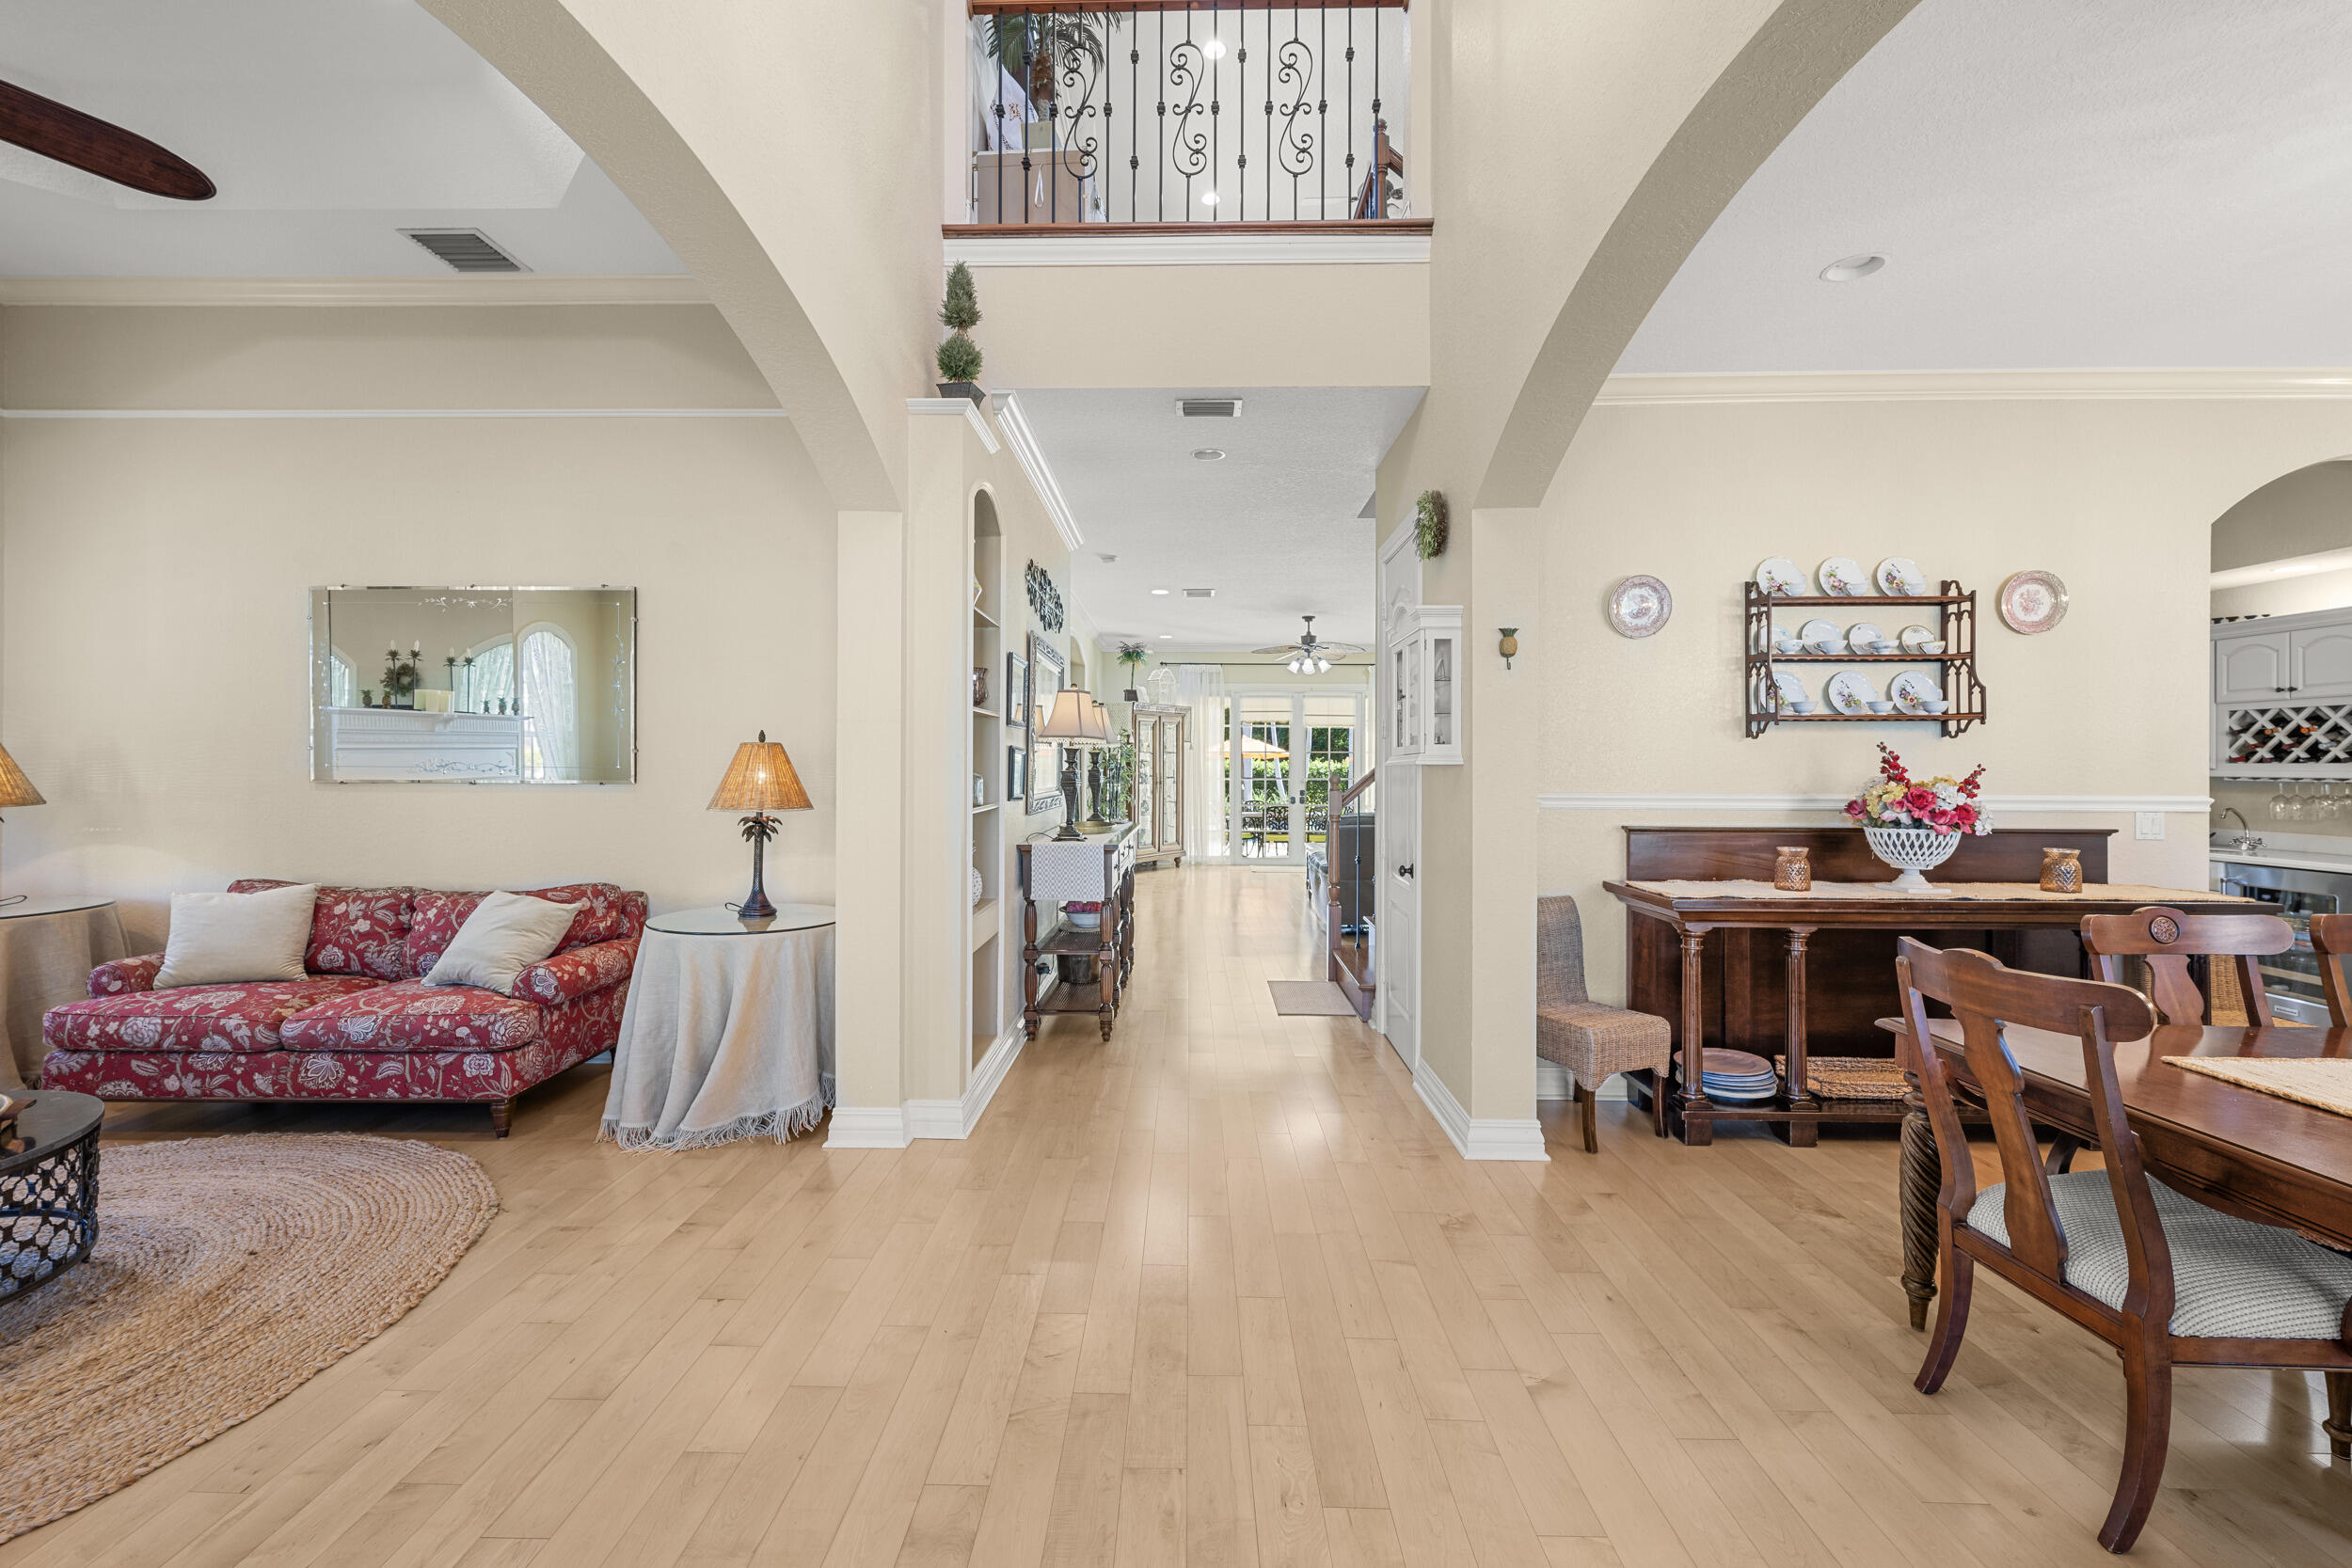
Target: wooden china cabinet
[1159, 793]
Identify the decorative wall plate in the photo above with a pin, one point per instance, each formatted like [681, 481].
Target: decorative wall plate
[2033, 601]
[1899, 576]
[1915, 638]
[1780, 575]
[1911, 690]
[1639, 606]
[1851, 691]
[1788, 691]
[1842, 574]
[1818, 631]
[1861, 634]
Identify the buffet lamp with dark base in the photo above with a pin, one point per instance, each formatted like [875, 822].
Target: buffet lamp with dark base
[759, 780]
[1077, 723]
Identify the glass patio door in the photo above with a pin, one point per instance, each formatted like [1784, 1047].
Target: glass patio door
[1288, 756]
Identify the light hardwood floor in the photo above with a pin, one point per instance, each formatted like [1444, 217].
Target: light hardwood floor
[1217, 1293]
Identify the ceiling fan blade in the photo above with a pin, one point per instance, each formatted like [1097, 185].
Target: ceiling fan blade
[86, 142]
[1285, 648]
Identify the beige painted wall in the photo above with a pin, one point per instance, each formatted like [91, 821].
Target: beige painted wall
[157, 572]
[2116, 496]
[2299, 514]
[2290, 596]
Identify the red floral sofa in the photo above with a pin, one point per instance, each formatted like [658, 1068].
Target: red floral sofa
[361, 1024]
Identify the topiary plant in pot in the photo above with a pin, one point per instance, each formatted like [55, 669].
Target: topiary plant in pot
[1133, 656]
[960, 356]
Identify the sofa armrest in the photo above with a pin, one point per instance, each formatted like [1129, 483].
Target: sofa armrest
[559, 979]
[125, 974]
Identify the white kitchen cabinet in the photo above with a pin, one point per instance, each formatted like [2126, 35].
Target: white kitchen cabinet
[2320, 662]
[2250, 667]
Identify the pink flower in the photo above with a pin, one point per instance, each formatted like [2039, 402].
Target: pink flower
[1920, 800]
[1854, 808]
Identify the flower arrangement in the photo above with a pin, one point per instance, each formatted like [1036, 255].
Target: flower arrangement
[1942, 804]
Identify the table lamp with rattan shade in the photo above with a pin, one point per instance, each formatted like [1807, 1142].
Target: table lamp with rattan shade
[1079, 723]
[759, 780]
[15, 788]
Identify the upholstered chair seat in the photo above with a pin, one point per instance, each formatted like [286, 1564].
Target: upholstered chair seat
[2231, 1278]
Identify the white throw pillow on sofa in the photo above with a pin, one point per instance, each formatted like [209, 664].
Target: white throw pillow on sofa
[225, 938]
[506, 933]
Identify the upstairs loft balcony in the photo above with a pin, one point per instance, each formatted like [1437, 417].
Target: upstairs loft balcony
[1167, 115]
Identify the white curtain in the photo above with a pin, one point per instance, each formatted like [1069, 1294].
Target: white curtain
[1201, 687]
[493, 676]
[550, 696]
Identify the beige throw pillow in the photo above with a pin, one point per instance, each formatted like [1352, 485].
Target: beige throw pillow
[221, 939]
[506, 933]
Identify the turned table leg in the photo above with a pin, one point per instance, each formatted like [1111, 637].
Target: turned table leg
[1690, 1085]
[1920, 1183]
[1800, 1134]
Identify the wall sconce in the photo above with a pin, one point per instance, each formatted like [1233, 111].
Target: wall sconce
[1510, 645]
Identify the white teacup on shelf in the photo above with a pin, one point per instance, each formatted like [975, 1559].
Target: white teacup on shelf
[1880, 707]
[1934, 705]
[1885, 647]
[1803, 707]
[1827, 644]
[1787, 645]
[1934, 645]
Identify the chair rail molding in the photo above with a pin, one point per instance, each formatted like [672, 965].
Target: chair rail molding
[2257, 384]
[2072, 805]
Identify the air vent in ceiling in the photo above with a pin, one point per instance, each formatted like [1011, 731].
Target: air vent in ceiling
[464, 249]
[1209, 408]
[1200, 592]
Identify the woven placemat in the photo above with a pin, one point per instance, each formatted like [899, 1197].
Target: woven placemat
[1873, 1078]
[2324, 1082]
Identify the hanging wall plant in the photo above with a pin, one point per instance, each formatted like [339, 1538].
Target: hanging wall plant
[1429, 524]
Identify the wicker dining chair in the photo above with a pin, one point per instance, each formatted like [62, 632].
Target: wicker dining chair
[1588, 1038]
[2164, 1279]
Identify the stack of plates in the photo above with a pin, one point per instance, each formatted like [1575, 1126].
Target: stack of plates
[1739, 1075]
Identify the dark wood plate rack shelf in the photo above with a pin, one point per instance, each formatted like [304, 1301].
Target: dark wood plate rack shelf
[1956, 626]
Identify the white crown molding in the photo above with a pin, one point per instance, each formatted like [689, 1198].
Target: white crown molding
[867, 1127]
[519, 289]
[1975, 386]
[1288, 247]
[393, 414]
[1496, 1138]
[951, 407]
[956, 1119]
[1023, 442]
[2101, 805]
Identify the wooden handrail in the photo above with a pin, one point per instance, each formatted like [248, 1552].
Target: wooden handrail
[988, 8]
[1355, 789]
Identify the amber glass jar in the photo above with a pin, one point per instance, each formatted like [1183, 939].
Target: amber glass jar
[1793, 871]
[2061, 870]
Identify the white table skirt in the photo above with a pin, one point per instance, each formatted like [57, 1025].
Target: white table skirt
[48, 947]
[726, 1036]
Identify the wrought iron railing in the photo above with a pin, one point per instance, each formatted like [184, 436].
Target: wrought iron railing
[1166, 112]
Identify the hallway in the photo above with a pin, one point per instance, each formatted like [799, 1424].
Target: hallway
[1218, 1293]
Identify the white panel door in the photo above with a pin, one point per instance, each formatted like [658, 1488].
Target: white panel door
[1396, 936]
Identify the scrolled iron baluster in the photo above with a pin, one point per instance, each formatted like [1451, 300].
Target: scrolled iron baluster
[1078, 70]
[1189, 144]
[1297, 156]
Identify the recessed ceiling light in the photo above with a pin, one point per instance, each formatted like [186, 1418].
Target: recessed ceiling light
[1846, 268]
[1209, 454]
[1161, 592]
[1168, 636]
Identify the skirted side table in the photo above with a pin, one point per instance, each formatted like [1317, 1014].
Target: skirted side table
[48, 947]
[728, 1031]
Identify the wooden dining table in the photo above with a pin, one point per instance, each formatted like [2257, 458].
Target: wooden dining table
[2255, 1155]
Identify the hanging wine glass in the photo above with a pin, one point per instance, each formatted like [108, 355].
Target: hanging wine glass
[2299, 809]
[2330, 806]
[2279, 805]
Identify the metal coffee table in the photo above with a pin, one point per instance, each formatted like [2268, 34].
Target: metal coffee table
[48, 1188]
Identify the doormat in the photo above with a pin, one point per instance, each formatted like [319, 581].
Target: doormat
[1309, 999]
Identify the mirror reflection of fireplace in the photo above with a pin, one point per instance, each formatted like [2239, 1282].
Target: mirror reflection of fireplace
[476, 685]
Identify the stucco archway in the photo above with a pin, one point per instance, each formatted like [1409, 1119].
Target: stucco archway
[545, 49]
[1797, 55]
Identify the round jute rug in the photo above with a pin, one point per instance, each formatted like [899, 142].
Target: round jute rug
[227, 1272]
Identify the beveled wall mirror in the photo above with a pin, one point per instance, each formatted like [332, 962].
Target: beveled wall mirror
[474, 684]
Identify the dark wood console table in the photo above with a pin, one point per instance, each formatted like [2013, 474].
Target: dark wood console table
[1102, 868]
[1835, 977]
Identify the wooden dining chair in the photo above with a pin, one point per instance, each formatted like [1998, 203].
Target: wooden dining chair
[2166, 1280]
[2331, 940]
[2167, 938]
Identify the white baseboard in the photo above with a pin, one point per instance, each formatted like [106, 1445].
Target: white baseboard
[1494, 1139]
[867, 1127]
[954, 1119]
[1553, 1083]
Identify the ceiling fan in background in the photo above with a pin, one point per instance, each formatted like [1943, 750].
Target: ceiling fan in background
[57, 131]
[1310, 654]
